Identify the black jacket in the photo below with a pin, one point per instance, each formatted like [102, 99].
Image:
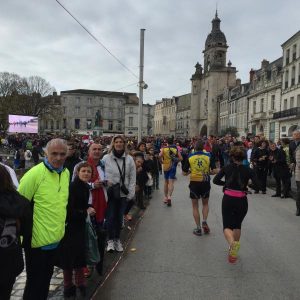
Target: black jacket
[70, 163]
[71, 252]
[15, 206]
[236, 177]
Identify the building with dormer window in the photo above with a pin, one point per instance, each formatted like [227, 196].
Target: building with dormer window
[289, 115]
[264, 99]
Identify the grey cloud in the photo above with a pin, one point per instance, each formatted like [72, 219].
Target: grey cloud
[40, 38]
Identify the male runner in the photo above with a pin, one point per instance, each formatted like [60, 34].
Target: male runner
[199, 165]
[169, 157]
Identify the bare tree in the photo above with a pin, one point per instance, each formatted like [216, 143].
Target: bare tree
[27, 96]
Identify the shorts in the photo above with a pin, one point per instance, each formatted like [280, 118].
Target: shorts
[199, 189]
[234, 210]
[170, 174]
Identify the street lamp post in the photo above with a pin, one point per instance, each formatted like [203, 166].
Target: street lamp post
[142, 85]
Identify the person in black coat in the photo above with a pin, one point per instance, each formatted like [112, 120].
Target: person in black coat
[260, 160]
[72, 252]
[72, 159]
[280, 171]
[15, 221]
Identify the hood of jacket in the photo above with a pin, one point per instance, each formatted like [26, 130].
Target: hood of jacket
[12, 204]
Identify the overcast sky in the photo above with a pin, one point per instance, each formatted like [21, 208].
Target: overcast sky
[39, 38]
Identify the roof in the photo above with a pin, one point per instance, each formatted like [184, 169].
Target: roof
[276, 63]
[96, 92]
[291, 38]
[216, 37]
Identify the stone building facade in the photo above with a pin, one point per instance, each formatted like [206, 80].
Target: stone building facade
[233, 108]
[165, 117]
[289, 115]
[82, 109]
[183, 113]
[132, 118]
[209, 82]
[264, 99]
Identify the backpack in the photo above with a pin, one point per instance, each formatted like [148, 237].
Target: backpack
[173, 156]
[8, 234]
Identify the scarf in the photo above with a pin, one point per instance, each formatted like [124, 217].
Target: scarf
[118, 154]
[98, 196]
[57, 170]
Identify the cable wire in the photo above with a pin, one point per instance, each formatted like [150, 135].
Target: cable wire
[101, 44]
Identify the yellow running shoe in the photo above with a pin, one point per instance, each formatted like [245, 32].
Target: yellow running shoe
[233, 251]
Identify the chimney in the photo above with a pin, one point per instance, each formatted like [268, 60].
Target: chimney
[252, 72]
[264, 64]
[238, 82]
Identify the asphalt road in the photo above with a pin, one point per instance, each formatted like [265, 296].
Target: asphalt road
[172, 263]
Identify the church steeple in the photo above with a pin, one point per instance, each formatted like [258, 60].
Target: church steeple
[215, 47]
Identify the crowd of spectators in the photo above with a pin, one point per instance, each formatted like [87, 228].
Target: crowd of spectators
[100, 180]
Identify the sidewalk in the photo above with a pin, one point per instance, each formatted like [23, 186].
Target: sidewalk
[110, 260]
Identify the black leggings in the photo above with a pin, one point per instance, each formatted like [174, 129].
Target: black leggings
[234, 211]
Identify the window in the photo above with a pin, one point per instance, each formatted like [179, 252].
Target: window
[57, 124]
[298, 100]
[285, 104]
[89, 101]
[110, 125]
[119, 126]
[293, 75]
[77, 100]
[131, 110]
[292, 102]
[101, 101]
[77, 123]
[89, 111]
[287, 56]
[130, 121]
[120, 113]
[120, 102]
[283, 128]
[254, 107]
[77, 108]
[88, 124]
[51, 124]
[286, 82]
[262, 105]
[294, 52]
[65, 110]
[110, 114]
[64, 123]
[110, 102]
[273, 102]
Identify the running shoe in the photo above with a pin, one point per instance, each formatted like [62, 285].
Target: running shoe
[197, 231]
[110, 246]
[233, 252]
[165, 200]
[205, 228]
[118, 246]
[169, 202]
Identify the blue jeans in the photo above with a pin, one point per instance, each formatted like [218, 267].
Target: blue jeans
[114, 217]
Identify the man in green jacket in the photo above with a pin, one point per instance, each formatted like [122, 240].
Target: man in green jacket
[47, 187]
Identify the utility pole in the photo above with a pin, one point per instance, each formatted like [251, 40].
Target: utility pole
[142, 86]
